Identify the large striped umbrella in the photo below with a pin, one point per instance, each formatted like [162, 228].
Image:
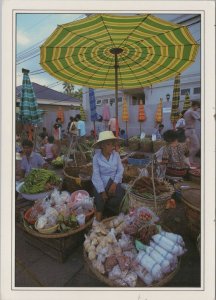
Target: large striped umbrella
[28, 113]
[175, 101]
[141, 114]
[118, 52]
[159, 112]
[125, 115]
[187, 102]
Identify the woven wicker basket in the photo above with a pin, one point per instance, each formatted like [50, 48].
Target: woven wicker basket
[133, 145]
[191, 198]
[157, 145]
[108, 282]
[137, 200]
[75, 182]
[146, 145]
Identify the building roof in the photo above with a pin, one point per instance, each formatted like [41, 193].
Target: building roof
[45, 93]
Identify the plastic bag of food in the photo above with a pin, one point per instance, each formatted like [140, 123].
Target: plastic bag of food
[124, 262]
[176, 238]
[80, 219]
[125, 242]
[41, 222]
[144, 275]
[110, 263]
[51, 221]
[65, 196]
[131, 279]
[163, 262]
[55, 197]
[168, 245]
[169, 256]
[150, 265]
[115, 273]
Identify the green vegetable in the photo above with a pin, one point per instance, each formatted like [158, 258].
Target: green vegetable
[35, 182]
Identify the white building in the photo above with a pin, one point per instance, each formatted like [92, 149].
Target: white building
[190, 82]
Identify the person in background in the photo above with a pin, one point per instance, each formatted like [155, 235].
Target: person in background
[44, 133]
[181, 121]
[18, 143]
[81, 128]
[57, 130]
[158, 132]
[107, 176]
[174, 154]
[112, 125]
[30, 159]
[73, 129]
[50, 150]
[69, 124]
[191, 116]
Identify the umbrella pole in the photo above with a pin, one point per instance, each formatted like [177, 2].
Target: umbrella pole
[94, 130]
[116, 51]
[116, 93]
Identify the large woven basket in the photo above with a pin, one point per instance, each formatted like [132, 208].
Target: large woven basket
[137, 200]
[74, 178]
[158, 144]
[108, 282]
[146, 145]
[133, 145]
[191, 197]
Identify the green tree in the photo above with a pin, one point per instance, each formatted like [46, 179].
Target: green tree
[68, 88]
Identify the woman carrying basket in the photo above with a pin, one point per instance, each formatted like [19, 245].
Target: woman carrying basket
[107, 176]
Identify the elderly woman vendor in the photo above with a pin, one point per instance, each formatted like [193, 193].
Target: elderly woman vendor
[107, 176]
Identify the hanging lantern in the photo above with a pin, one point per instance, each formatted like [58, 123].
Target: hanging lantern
[60, 114]
[159, 112]
[82, 113]
[187, 102]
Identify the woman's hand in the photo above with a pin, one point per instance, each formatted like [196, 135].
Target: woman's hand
[112, 189]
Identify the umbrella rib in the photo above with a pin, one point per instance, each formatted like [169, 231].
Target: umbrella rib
[182, 59]
[135, 73]
[96, 72]
[108, 32]
[145, 69]
[79, 35]
[107, 74]
[160, 34]
[143, 20]
[156, 64]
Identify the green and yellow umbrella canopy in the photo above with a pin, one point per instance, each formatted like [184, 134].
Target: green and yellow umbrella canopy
[145, 49]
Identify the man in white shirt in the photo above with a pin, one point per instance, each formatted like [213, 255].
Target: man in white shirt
[81, 128]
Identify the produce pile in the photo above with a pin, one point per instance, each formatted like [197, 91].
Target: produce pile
[39, 180]
[58, 162]
[131, 248]
[144, 186]
[62, 209]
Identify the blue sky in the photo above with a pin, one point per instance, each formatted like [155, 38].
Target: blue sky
[32, 30]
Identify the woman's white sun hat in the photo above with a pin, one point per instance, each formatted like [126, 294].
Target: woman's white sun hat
[105, 136]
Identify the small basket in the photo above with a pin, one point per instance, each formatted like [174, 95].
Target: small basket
[136, 200]
[73, 182]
